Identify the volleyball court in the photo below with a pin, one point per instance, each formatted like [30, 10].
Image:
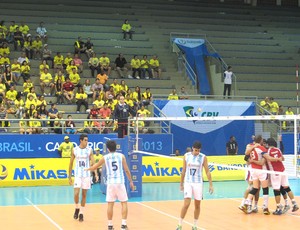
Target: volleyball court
[161, 202]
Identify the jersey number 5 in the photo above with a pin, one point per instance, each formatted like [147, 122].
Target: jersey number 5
[114, 166]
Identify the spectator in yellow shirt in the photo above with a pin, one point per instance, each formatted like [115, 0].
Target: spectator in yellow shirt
[105, 64]
[4, 49]
[127, 30]
[173, 95]
[4, 60]
[58, 61]
[81, 99]
[27, 86]
[274, 108]
[65, 148]
[46, 80]
[67, 60]
[94, 64]
[74, 77]
[11, 95]
[70, 67]
[28, 46]
[146, 97]
[24, 29]
[35, 124]
[25, 69]
[37, 45]
[116, 86]
[16, 70]
[135, 66]
[156, 70]
[145, 67]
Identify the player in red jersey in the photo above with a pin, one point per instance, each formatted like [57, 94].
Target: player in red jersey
[258, 177]
[274, 159]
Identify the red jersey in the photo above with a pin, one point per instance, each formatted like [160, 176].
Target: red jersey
[257, 155]
[275, 165]
[68, 86]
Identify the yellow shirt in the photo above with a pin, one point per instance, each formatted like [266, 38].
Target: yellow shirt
[33, 95]
[98, 158]
[135, 63]
[37, 44]
[16, 68]
[28, 103]
[123, 88]
[67, 61]
[25, 68]
[13, 28]
[74, 78]
[66, 149]
[24, 29]
[2, 87]
[11, 95]
[144, 112]
[289, 113]
[116, 88]
[27, 86]
[70, 67]
[126, 27]
[154, 63]
[104, 61]
[98, 103]
[173, 97]
[129, 102]
[35, 123]
[3, 60]
[58, 60]
[274, 107]
[144, 64]
[81, 96]
[46, 78]
[19, 103]
[4, 51]
[42, 67]
[135, 96]
[28, 45]
[94, 61]
[62, 78]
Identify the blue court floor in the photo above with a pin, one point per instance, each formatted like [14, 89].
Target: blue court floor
[14, 196]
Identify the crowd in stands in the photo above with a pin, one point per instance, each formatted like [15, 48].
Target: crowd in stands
[61, 77]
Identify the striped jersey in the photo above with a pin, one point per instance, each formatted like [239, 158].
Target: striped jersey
[257, 154]
[275, 165]
[114, 168]
[194, 165]
[82, 161]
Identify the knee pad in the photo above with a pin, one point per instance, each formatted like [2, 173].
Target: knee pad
[288, 189]
[276, 192]
[253, 191]
[266, 191]
[282, 191]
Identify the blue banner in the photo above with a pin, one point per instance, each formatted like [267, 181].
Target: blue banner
[213, 134]
[195, 51]
[288, 143]
[43, 146]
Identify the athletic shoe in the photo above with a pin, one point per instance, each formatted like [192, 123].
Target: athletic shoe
[255, 209]
[80, 217]
[194, 228]
[286, 208]
[295, 208]
[179, 227]
[277, 212]
[76, 213]
[244, 208]
[124, 227]
[249, 210]
[266, 211]
[241, 207]
[129, 76]
[110, 227]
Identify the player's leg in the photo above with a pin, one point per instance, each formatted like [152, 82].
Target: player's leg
[123, 198]
[85, 185]
[124, 215]
[110, 212]
[197, 204]
[265, 186]
[292, 198]
[198, 196]
[185, 207]
[76, 201]
[111, 196]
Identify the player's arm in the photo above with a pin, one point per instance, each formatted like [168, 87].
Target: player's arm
[208, 174]
[71, 166]
[250, 148]
[273, 159]
[183, 173]
[60, 149]
[127, 171]
[260, 162]
[95, 166]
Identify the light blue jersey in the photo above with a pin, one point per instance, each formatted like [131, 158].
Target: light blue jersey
[114, 168]
[194, 165]
[82, 161]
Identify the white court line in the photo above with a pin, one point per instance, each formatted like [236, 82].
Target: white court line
[166, 214]
[44, 214]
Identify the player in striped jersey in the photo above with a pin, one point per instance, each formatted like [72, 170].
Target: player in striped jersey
[191, 182]
[82, 155]
[116, 165]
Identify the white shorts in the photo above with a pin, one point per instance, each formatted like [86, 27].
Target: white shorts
[193, 189]
[278, 180]
[82, 182]
[116, 191]
[248, 176]
[261, 176]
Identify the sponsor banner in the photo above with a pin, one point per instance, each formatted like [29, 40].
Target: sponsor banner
[43, 146]
[158, 169]
[213, 134]
[189, 42]
[34, 172]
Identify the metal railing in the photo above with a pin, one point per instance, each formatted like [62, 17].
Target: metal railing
[179, 54]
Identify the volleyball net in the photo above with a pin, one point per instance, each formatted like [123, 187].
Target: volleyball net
[214, 133]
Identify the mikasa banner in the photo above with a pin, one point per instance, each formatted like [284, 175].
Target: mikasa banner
[212, 133]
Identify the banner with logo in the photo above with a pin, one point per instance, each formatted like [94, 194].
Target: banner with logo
[212, 134]
[195, 51]
[46, 146]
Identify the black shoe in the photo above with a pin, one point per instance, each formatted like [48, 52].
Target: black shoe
[80, 217]
[76, 213]
[124, 227]
[110, 227]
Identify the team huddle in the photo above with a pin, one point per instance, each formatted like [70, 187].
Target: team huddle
[261, 156]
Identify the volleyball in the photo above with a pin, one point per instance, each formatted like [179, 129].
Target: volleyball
[3, 172]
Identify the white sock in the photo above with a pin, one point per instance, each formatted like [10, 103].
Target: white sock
[81, 210]
[77, 206]
[110, 223]
[266, 200]
[195, 222]
[180, 221]
[243, 202]
[124, 222]
[286, 201]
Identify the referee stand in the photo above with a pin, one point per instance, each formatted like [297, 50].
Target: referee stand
[134, 160]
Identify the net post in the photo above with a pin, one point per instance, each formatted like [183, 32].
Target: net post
[297, 87]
